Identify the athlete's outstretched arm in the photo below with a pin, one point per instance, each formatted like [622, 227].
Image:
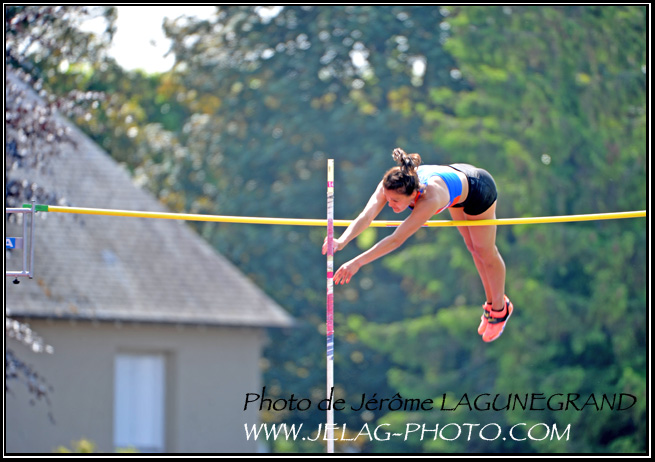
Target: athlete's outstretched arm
[364, 219]
[421, 213]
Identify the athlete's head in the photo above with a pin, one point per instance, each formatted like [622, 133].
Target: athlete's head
[403, 179]
[401, 183]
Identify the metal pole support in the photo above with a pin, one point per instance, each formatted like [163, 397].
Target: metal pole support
[22, 243]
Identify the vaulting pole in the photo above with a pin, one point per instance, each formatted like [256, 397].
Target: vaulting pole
[330, 305]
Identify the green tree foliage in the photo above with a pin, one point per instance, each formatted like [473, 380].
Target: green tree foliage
[556, 111]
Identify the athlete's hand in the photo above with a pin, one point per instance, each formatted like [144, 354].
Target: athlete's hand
[336, 245]
[347, 271]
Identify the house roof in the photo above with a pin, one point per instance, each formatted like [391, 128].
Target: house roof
[108, 268]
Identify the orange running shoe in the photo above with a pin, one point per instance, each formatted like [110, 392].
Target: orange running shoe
[486, 308]
[496, 321]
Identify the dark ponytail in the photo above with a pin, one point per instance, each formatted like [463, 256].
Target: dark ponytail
[403, 179]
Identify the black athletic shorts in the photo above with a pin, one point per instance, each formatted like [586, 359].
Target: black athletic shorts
[482, 189]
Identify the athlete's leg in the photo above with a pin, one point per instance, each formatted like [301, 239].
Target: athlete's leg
[481, 242]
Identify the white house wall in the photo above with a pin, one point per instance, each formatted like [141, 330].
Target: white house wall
[208, 372]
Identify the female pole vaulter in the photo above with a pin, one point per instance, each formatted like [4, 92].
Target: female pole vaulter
[469, 193]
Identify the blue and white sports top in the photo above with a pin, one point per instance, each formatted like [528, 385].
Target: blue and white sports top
[452, 180]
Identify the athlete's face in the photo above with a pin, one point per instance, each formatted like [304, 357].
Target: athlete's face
[397, 201]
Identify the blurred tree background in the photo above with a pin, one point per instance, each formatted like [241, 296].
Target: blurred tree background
[550, 99]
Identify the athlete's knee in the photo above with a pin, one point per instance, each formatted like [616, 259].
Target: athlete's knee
[488, 254]
[472, 248]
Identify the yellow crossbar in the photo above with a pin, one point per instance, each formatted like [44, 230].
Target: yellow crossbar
[310, 222]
